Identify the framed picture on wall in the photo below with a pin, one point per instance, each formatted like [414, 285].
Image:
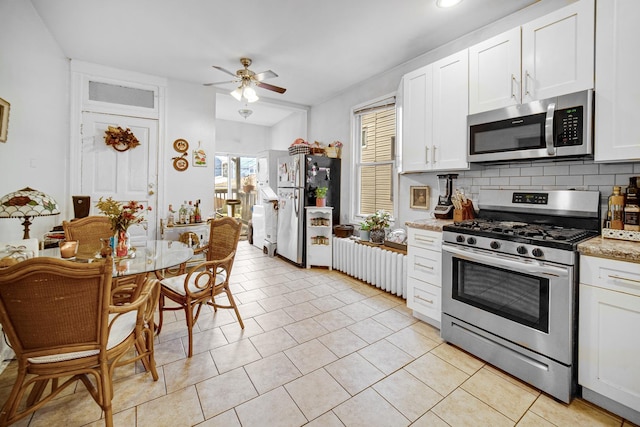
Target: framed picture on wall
[419, 197]
[199, 157]
[4, 120]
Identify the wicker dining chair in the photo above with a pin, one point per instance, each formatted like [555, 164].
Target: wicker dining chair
[88, 232]
[200, 284]
[60, 322]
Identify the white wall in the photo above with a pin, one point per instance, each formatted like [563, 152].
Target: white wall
[289, 129]
[331, 120]
[241, 138]
[190, 115]
[34, 79]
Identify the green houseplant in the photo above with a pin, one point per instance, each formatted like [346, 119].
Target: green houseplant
[378, 222]
[321, 194]
[365, 227]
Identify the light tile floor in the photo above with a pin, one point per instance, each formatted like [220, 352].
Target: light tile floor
[321, 349]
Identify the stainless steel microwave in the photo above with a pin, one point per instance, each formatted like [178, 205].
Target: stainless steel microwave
[550, 128]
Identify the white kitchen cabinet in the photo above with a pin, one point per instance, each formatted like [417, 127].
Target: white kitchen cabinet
[417, 120]
[552, 55]
[319, 242]
[434, 117]
[494, 72]
[609, 348]
[424, 274]
[450, 109]
[617, 136]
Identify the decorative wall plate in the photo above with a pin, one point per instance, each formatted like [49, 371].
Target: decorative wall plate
[180, 164]
[181, 145]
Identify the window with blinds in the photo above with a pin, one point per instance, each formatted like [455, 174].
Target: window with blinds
[375, 160]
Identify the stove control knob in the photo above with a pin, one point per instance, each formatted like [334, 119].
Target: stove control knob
[471, 240]
[460, 239]
[537, 252]
[494, 245]
[521, 250]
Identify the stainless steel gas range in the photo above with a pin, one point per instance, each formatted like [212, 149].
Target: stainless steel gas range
[509, 283]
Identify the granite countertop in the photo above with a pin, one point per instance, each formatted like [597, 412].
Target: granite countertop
[431, 224]
[620, 250]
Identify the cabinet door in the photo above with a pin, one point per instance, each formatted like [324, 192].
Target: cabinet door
[450, 109]
[617, 135]
[494, 72]
[609, 349]
[417, 120]
[557, 52]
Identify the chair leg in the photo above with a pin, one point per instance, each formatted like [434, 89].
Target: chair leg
[160, 314]
[107, 394]
[188, 308]
[233, 304]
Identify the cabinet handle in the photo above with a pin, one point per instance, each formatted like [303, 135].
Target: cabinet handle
[526, 83]
[426, 155]
[423, 299]
[513, 93]
[420, 239]
[428, 267]
[613, 276]
[433, 158]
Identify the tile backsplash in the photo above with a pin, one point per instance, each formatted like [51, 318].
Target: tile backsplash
[528, 175]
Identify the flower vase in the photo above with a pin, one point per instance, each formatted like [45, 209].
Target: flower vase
[377, 236]
[122, 242]
[321, 202]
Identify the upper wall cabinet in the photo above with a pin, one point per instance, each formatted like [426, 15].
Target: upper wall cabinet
[435, 106]
[617, 135]
[556, 56]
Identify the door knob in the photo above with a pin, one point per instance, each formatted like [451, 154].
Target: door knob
[151, 192]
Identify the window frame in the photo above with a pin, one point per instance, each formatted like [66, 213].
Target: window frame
[356, 138]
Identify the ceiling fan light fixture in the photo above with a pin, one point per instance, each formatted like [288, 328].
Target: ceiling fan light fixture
[250, 94]
[237, 93]
[245, 112]
[447, 3]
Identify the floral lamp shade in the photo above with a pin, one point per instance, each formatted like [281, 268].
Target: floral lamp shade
[27, 203]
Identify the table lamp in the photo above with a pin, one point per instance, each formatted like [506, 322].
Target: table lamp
[27, 203]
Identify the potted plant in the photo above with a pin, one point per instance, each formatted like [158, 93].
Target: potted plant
[365, 227]
[321, 194]
[379, 221]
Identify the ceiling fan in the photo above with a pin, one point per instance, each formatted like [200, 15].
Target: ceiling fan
[248, 79]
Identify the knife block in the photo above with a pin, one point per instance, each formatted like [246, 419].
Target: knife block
[467, 212]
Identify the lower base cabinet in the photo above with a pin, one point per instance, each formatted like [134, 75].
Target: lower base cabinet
[609, 341]
[424, 275]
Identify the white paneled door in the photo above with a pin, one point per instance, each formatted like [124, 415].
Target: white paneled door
[123, 175]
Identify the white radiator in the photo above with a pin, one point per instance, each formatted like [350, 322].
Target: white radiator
[384, 269]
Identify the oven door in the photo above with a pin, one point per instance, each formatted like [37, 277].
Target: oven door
[528, 302]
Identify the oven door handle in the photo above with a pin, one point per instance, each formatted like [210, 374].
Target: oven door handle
[499, 260]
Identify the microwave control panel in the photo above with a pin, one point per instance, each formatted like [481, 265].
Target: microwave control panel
[568, 126]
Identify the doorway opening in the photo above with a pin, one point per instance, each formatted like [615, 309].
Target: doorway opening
[235, 185]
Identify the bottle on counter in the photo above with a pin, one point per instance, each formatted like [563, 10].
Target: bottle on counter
[191, 213]
[631, 207]
[617, 209]
[197, 217]
[170, 217]
[182, 213]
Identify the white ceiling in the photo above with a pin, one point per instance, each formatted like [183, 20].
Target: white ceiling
[317, 47]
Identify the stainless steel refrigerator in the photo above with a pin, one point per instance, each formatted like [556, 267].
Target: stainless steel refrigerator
[298, 178]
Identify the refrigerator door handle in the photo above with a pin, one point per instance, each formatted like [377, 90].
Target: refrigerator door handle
[296, 208]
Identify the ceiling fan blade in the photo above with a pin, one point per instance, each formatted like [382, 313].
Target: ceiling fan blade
[270, 87]
[265, 75]
[219, 83]
[224, 70]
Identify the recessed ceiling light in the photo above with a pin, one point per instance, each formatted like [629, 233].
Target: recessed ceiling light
[447, 3]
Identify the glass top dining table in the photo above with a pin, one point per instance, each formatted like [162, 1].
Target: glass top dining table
[155, 255]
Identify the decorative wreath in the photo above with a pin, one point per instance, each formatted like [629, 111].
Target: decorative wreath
[120, 139]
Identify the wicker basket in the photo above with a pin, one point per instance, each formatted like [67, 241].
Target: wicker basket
[298, 149]
[317, 151]
[333, 152]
